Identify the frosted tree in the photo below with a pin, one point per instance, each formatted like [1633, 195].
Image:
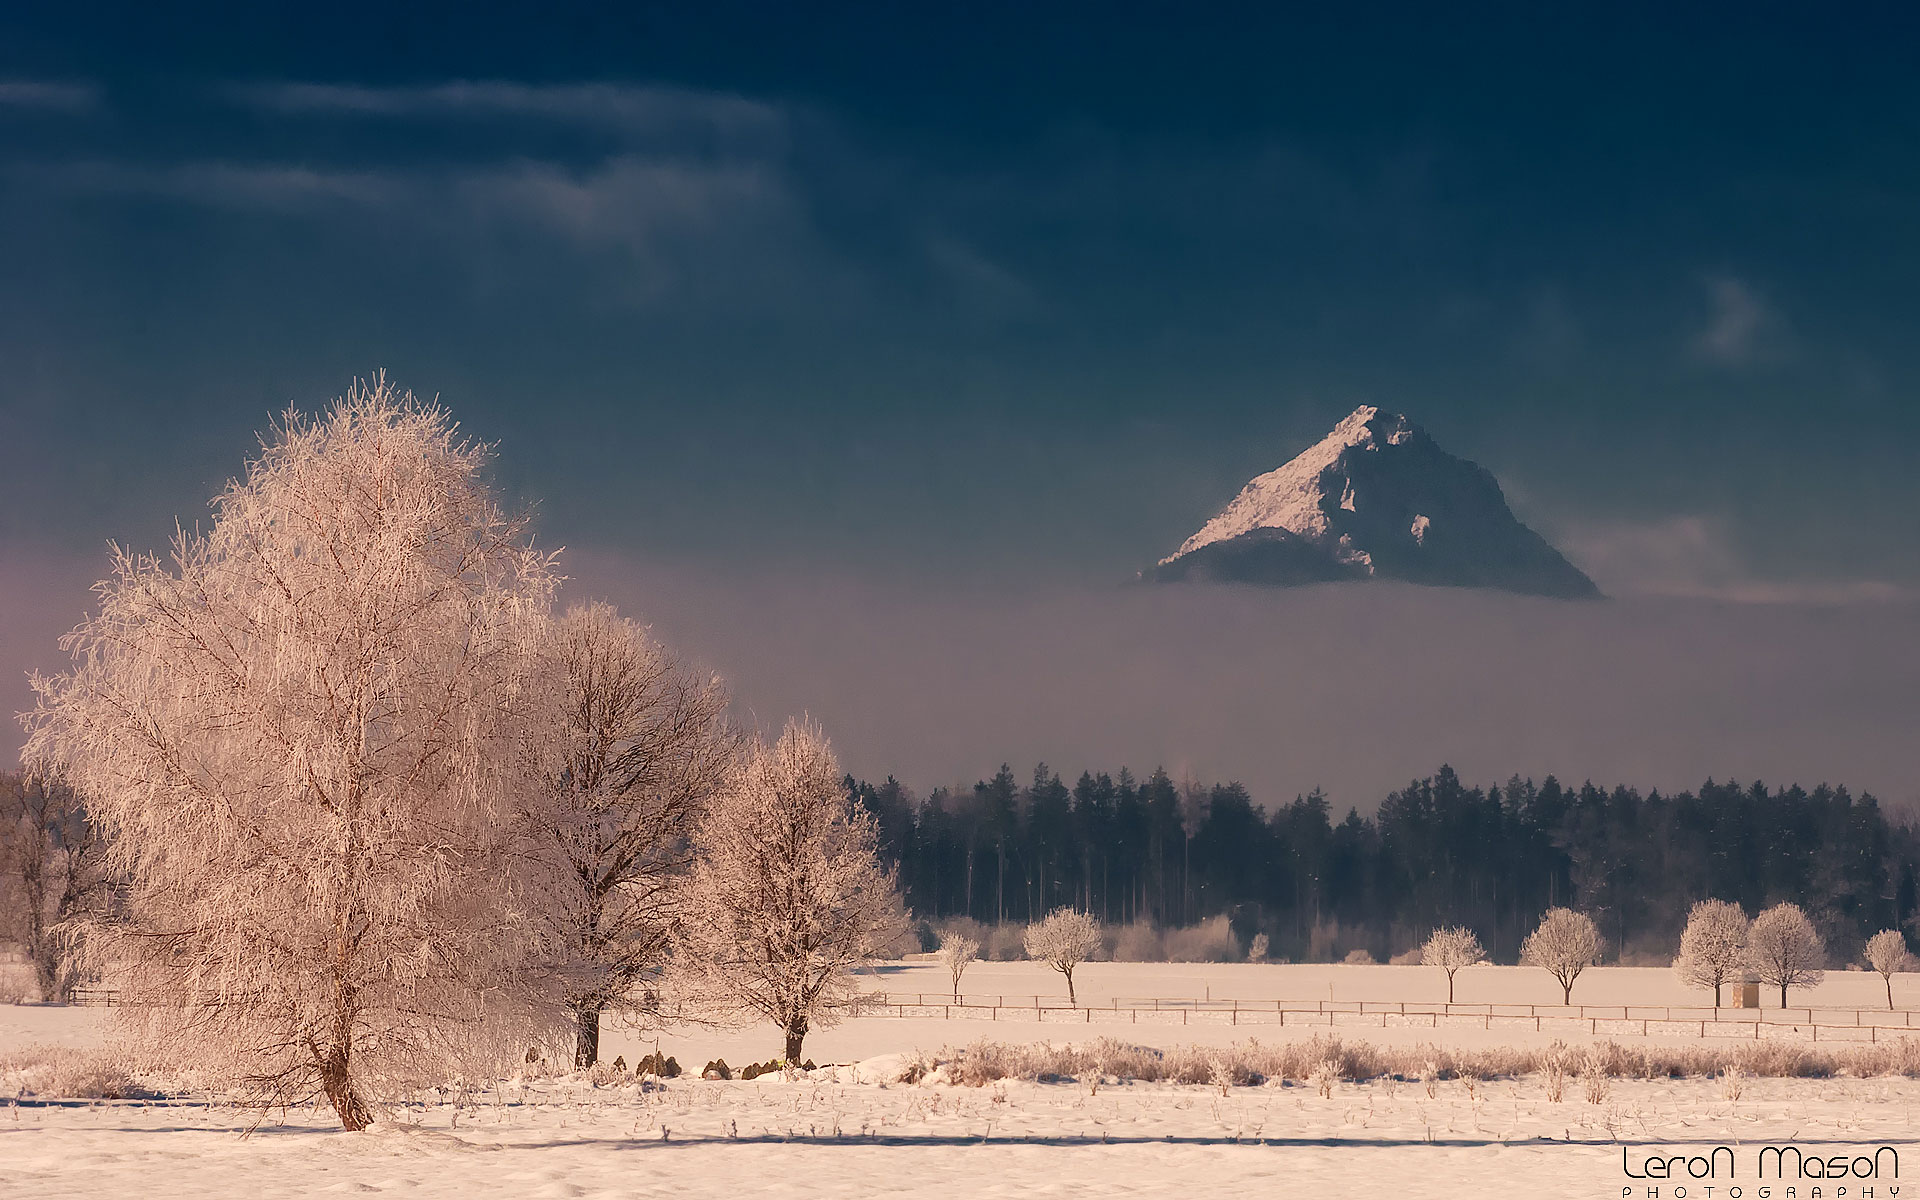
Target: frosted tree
[1887, 954]
[1783, 950]
[1450, 950]
[52, 877]
[302, 734]
[631, 745]
[1713, 947]
[1063, 939]
[787, 895]
[958, 952]
[1565, 944]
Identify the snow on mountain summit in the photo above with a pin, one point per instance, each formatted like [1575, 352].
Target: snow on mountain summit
[1375, 498]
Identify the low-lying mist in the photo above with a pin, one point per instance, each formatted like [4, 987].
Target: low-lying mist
[1356, 689]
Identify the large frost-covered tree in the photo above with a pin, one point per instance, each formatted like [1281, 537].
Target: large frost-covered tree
[787, 895]
[1565, 944]
[1784, 951]
[52, 876]
[631, 744]
[1713, 948]
[302, 732]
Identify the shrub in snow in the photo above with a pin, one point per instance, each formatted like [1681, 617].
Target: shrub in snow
[1212, 940]
[1063, 940]
[63, 1073]
[787, 894]
[1733, 1082]
[306, 730]
[1361, 957]
[1450, 950]
[716, 1069]
[1136, 941]
[1257, 950]
[1565, 944]
[1887, 953]
[1783, 950]
[1253, 1062]
[16, 984]
[1713, 949]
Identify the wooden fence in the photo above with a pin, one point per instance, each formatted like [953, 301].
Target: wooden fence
[1811, 1024]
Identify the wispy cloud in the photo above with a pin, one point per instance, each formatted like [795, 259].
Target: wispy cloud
[43, 94]
[1695, 556]
[726, 120]
[269, 187]
[652, 228]
[1742, 329]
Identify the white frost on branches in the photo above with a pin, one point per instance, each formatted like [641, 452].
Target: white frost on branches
[1565, 944]
[630, 745]
[787, 894]
[1450, 950]
[301, 732]
[1887, 953]
[958, 952]
[1713, 948]
[1784, 951]
[1063, 939]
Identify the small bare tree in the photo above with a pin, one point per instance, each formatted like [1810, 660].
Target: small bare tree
[1565, 944]
[787, 895]
[1713, 948]
[302, 735]
[1784, 951]
[1258, 949]
[1063, 939]
[630, 745]
[1450, 950]
[958, 952]
[52, 861]
[1887, 953]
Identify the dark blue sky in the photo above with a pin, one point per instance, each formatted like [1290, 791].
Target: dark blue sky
[973, 294]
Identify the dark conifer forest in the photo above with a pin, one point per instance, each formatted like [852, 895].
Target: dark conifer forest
[1437, 852]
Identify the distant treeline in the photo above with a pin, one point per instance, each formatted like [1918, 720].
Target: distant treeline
[1436, 853]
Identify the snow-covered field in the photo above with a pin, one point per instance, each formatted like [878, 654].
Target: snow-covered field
[825, 1135]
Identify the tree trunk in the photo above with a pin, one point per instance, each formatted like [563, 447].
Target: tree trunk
[1889, 980]
[46, 967]
[796, 1032]
[1566, 994]
[1069, 975]
[586, 1036]
[1783, 995]
[1449, 987]
[337, 1084]
[1716, 994]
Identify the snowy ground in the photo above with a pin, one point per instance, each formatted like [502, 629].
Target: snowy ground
[822, 1137]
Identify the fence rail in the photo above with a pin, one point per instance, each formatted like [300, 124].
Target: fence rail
[1809, 1023]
